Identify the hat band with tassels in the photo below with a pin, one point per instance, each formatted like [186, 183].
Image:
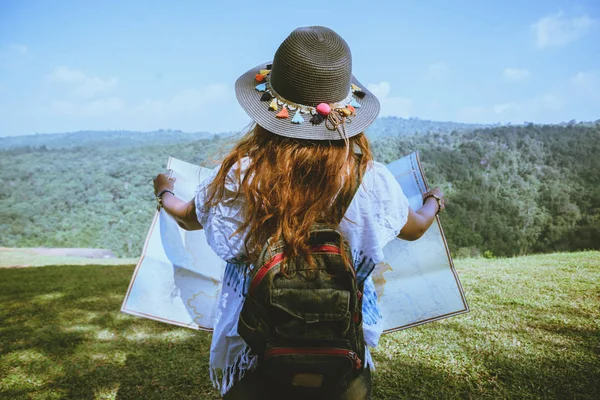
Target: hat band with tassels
[335, 113]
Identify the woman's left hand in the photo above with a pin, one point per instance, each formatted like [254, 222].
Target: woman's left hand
[162, 182]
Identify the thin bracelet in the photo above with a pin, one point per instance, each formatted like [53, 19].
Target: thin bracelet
[439, 201]
[159, 196]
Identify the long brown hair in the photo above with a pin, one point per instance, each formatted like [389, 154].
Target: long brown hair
[291, 184]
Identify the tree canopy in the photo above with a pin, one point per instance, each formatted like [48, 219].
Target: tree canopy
[510, 190]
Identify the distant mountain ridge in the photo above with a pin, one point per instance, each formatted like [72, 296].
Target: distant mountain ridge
[395, 126]
[102, 138]
[382, 127]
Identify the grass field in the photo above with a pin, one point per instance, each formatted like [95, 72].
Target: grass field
[533, 332]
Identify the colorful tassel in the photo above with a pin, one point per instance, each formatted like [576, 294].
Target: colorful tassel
[273, 105]
[317, 119]
[298, 119]
[345, 111]
[354, 103]
[349, 107]
[283, 113]
[266, 96]
[264, 72]
[262, 87]
[360, 94]
[259, 78]
[355, 88]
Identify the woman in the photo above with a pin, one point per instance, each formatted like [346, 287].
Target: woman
[304, 161]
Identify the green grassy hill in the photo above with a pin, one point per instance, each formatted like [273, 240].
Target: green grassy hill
[510, 190]
[533, 333]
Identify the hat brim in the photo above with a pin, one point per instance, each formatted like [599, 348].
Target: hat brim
[249, 99]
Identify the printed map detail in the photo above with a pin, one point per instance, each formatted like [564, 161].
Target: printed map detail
[417, 283]
[178, 278]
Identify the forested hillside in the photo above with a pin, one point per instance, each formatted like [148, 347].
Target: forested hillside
[510, 189]
[513, 189]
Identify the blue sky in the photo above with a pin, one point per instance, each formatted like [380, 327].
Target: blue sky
[147, 65]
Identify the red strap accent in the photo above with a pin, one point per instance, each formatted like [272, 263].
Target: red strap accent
[276, 259]
[326, 248]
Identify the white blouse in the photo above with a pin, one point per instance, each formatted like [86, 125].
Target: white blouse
[376, 215]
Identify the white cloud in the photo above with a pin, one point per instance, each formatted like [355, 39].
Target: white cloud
[501, 108]
[391, 106]
[557, 30]
[438, 71]
[19, 49]
[212, 108]
[543, 108]
[575, 97]
[94, 86]
[585, 78]
[14, 55]
[82, 85]
[475, 114]
[66, 75]
[380, 90]
[515, 74]
[95, 108]
[186, 101]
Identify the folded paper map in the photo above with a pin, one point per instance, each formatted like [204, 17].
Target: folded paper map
[178, 278]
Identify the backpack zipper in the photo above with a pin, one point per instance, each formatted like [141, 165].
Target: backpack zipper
[351, 355]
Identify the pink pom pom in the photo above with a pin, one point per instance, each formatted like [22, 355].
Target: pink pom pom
[323, 109]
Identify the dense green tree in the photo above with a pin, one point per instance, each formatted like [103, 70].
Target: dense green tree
[510, 189]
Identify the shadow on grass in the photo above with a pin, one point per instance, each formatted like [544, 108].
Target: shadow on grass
[524, 352]
[532, 333]
[62, 336]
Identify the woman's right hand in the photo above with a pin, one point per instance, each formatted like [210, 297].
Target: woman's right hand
[163, 182]
[439, 194]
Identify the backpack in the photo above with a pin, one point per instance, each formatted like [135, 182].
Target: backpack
[305, 326]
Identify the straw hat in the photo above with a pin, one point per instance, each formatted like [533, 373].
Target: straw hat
[308, 90]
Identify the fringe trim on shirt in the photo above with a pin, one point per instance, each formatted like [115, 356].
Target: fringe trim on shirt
[223, 380]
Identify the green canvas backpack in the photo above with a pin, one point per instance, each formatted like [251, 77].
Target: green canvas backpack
[305, 326]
